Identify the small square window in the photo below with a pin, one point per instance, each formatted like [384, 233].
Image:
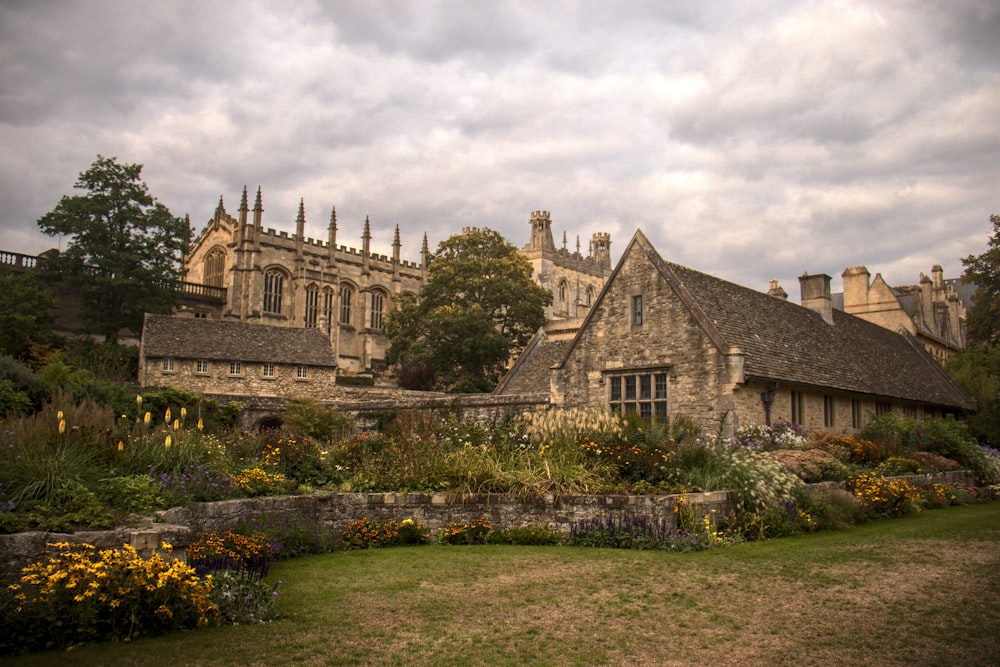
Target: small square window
[201, 366]
[235, 368]
[168, 364]
[268, 370]
[302, 373]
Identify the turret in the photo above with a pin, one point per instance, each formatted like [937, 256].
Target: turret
[331, 256]
[601, 245]
[541, 231]
[366, 244]
[396, 245]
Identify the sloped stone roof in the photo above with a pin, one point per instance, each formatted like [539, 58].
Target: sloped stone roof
[784, 342]
[531, 373]
[221, 340]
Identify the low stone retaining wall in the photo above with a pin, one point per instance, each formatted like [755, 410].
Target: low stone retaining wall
[334, 511]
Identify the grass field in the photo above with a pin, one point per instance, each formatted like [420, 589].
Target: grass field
[922, 590]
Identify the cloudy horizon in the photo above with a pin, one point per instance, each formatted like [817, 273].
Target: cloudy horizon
[749, 141]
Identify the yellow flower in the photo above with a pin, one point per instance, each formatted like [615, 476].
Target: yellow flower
[138, 401]
[184, 413]
[59, 415]
[62, 425]
[146, 418]
[121, 446]
[166, 443]
[166, 417]
[177, 424]
[201, 424]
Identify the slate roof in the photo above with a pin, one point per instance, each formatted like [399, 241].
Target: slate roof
[784, 342]
[195, 338]
[532, 370]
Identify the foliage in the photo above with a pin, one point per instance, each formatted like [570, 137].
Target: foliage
[983, 271]
[977, 370]
[242, 599]
[782, 435]
[230, 550]
[457, 532]
[25, 381]
[812, 465]
[883, 497]
[124, 247]
[478, 308]
[25, 313]
[571, 426]
[365, 533]
[307, 418]
[290, 534]
[81, 594]
[132, 494]
[13, 402]
[630, 532]
[857, 451]
[525, 536]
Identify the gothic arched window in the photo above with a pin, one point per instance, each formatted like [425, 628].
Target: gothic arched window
[328, 306]
[215, 266]
[346, 295]
[274, 287]
[312, 306]
[378, 308]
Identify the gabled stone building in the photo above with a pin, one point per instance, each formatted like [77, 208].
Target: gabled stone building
[662, 340]
[235, 358]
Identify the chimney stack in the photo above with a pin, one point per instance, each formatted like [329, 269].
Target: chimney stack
[816, 295]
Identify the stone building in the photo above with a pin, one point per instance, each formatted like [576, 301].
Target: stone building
[574, 279]
[227, 357]
[288, 280]
[662, 339]
[934, 310]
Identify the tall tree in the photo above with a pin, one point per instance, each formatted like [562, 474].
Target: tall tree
[984, 272]
[25, 313]
[124, 250]
[478, 307]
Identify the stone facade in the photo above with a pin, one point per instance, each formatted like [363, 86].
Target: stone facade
[663, 339]
[934, 310]
[289, 280]
[235, 358]
[574, 279]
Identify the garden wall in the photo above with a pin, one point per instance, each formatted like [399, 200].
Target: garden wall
[333, 511]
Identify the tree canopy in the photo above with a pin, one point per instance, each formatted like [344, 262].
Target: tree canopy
[984, 271]
[478, 307]
[124, 248]
[25, 313]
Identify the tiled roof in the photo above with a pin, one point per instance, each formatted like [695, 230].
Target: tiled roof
[194, 338]
[531, 372]
[785, 342]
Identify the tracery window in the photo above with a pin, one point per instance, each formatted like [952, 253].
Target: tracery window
[312, 306]
[274, 285]
[215, 266]
[378, 305]
[346, 295]
[328, 307]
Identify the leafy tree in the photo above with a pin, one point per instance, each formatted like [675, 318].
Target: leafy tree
[478, 307]
[25, 313]
[984, 272]
[124, 247]
[977, 369]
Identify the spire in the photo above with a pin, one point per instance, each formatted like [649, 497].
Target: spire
[396, 245]
[564, 239]
[424, 255]
[300, 219]
[243, 202]
[258, 210]
[220, 210]
[366, 242]
[244, 209]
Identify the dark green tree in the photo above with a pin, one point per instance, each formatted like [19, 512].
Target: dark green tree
[478, 307]
[124, 249]
[983, 271]
[977, 369]
[25, 313]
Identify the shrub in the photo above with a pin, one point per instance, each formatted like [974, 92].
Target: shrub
[829, 509]
[306, 418]
[13, 403]
[456, 532]
[251, 553]
[80, 594]
[782, 435]
[857, 451]
[241, 598]
[525, 536]
[366, 534]
[630, 532]
[290, 534]
[571, 426]
[882, 497]
[133, 494]
[811, 465]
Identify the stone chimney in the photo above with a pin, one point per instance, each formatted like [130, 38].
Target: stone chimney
[857, 280]
[816, 295]
[777, 291]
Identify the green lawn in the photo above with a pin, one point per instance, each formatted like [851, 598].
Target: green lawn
[922, 590]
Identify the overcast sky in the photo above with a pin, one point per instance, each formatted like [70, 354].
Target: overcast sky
[749, 140]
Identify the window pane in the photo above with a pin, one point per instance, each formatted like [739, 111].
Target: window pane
[616, 388]
[645, 387]
[661, 385]
[629, 387]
